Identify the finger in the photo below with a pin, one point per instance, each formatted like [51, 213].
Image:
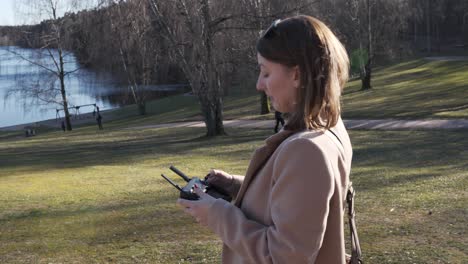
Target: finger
[197, 189]
[209, 177]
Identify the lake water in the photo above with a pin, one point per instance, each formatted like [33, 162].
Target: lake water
[84, 87]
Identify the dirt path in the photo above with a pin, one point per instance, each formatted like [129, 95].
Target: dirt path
[448, 58]
[383, 124]
[377, 124]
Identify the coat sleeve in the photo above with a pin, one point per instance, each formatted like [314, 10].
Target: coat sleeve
[299, 204]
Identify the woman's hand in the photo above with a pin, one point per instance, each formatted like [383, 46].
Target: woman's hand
[198, 208]
[219, 178]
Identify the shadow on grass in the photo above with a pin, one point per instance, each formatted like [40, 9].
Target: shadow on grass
[114, 147]
[416, 89]
[406, 153]
[163, 198]
[409, 148]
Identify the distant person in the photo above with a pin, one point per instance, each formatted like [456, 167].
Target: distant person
[99, 121]
[289, 207]
[279, 119]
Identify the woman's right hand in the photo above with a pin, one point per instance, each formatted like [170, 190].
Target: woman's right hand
[219, 178]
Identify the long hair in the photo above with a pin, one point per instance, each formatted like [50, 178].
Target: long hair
[323, 63]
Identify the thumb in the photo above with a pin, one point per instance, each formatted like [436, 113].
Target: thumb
[198, 190]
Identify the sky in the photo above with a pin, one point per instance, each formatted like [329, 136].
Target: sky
[7, 16]
[12, 12]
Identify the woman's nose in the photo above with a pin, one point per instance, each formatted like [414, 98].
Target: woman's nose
[260, 86]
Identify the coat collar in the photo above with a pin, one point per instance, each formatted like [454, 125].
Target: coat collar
[259, 158]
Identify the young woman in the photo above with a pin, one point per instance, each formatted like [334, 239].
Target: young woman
[289, 206]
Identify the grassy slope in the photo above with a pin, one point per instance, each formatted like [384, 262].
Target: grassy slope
[93, 197]
[411, 90]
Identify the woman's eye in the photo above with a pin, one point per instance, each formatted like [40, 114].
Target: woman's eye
[265, 75]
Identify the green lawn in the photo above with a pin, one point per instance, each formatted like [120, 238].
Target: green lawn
[415, 89]
[97, 197]
[90, 196]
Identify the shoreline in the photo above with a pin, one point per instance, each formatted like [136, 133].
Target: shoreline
[85, 118]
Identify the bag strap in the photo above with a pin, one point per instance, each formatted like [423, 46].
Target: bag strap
[356, 254]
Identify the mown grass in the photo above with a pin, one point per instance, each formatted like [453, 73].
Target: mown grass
[96, 196]
[414, 89]
[90, 196]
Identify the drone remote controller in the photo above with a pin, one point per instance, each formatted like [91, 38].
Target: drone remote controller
[187, 192]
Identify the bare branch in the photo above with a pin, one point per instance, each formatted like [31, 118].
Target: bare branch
[33, 62]
[53, 59]
[72, 71]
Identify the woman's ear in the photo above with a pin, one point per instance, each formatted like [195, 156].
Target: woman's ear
[297, 77]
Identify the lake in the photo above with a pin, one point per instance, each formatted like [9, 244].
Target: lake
[84, 87]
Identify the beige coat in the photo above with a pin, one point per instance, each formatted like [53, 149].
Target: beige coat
[290, 210]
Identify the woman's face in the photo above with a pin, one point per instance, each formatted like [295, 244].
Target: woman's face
[279, 82]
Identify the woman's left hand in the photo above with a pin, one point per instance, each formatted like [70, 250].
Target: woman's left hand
[198, 208]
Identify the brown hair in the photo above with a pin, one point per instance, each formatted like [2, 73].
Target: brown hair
[323, 64]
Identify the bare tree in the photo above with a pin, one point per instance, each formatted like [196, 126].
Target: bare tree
[192, 39]
[52, 58]
[130, 25]
[366, 79]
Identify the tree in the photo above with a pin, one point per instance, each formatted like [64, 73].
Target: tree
[192, 38]
[130, 27]
[45, 89]
[366, 79]
[360, 55]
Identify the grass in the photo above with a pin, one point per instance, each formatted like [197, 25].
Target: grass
[90, 196]
[416, 89]
[97, 197]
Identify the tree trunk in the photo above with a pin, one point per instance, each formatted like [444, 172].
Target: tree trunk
[63, 92]
[211, 101]
[428, 27]
[141, 108]
[463, 28]
[213, 116]
[202, 75]
[366, 80]
[65, 104]
[264, 105]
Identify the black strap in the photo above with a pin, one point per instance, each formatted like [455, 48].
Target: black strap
[356, 254]
[331, 131]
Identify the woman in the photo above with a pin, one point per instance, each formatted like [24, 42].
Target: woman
[289, 206]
